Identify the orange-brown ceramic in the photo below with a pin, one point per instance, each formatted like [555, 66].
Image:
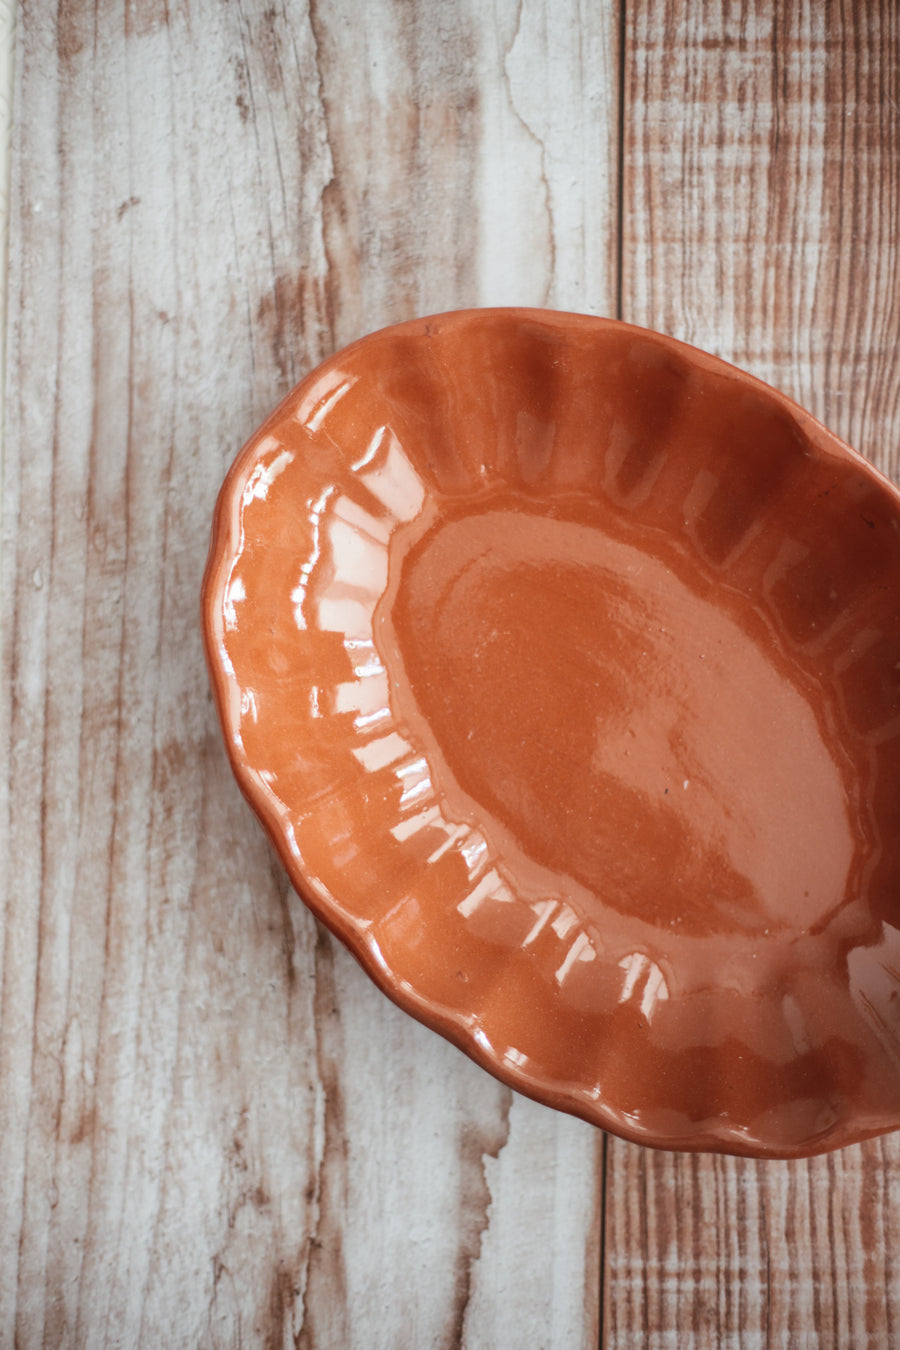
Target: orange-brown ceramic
[561, 662]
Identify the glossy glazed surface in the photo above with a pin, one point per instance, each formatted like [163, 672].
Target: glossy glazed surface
[562, 663]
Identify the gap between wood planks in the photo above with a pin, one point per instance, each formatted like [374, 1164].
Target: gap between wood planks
[619, 255]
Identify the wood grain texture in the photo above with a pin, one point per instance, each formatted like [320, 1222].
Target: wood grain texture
[761, 213]
[213, 1130]
[7, 55]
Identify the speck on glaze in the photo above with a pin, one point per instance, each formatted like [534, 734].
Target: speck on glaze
[561, 661]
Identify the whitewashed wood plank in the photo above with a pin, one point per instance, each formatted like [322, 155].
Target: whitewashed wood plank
[557, 1304]
[483, 145]
[126, 735]
[761, 191]
[7, 65]
[215, 1131]
[503, 98]
[761, 218]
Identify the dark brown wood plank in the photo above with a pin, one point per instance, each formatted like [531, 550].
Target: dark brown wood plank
[213, 1130]
[761, 214]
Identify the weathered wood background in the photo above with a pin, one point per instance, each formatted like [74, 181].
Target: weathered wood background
[213, 1131]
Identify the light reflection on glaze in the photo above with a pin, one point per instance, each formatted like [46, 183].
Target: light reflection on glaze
[646, 874]
[670, 710]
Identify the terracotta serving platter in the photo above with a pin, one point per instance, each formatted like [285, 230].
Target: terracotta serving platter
[561, 662]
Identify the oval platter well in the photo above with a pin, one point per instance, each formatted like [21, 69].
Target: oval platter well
[561, 662]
